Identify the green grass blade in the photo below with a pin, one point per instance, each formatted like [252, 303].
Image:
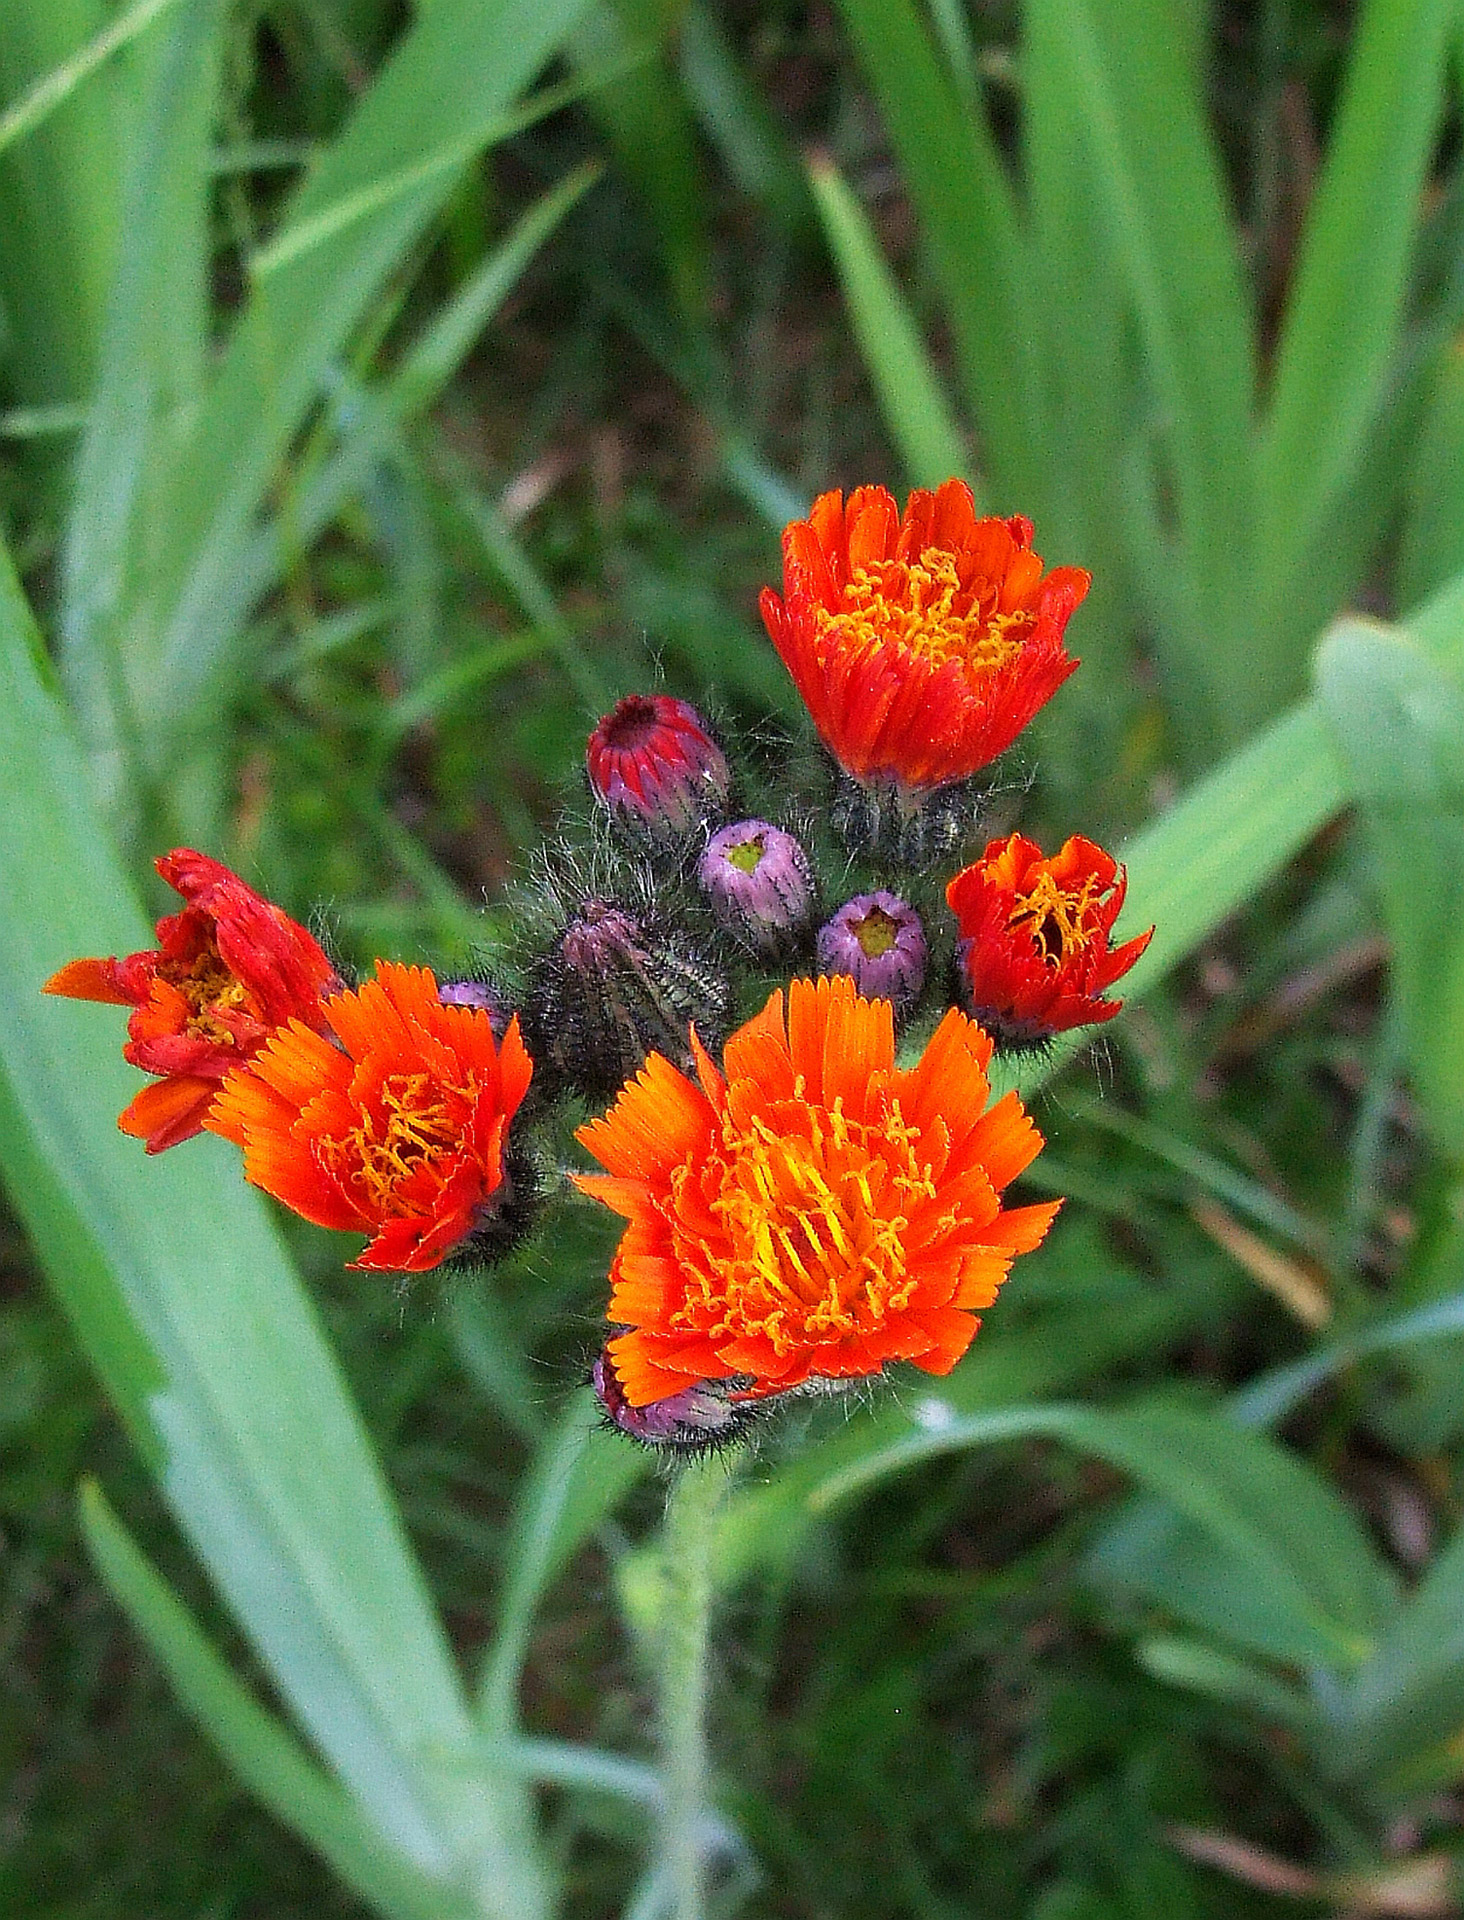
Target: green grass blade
[1399, 721]
[968, 218]
[646, 117]
[377, 417]
[461, 65]
[1409, 1698]
[1272, 1397]
[908, 387]
[580, 1475]
[1311, 1573]
[264, 1754]
[60, 202]
[149, 373]
[1156, 181]
[737, 119]
[1341, 326]
[257, 1445]
[49, 92]
[1432, 545]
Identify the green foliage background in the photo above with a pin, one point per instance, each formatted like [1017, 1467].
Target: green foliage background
[383, 391]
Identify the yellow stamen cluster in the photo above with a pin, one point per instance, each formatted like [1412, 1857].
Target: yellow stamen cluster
[1057, 917]
[210, 989]
[389, 1143]
[798, 1233]
[922, 604]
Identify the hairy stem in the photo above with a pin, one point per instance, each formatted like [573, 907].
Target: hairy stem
[691, 1513]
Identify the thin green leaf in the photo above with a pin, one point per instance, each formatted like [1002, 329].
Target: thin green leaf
[906, 383]
[188, 1302]
[969, 222]
[1341, 325]
[1432, 548]
[150, 370]
[1399, 721]
[48, 92]
[60, 194]
[266, 1755]
[1270, 1398]
[450, 75]
[582, 1472]
[1310, 1570]
[1157, 184]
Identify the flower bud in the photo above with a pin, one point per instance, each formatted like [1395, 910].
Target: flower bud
[614, 988]
[759, 885]
[877, 939]
[482, 995]
[912, 830]
[656, 769]
[698, 1419]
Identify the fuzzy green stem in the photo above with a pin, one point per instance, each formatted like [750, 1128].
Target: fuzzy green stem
[691, 1513]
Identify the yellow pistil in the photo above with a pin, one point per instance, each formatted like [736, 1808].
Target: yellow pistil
[922, 605]
[1057, 917]
[811, 1246]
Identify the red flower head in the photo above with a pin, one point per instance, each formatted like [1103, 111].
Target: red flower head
[921, 646]
[814, 1210]
[400, 1136]
[1034, 937]
[654, 766]
[227, 971]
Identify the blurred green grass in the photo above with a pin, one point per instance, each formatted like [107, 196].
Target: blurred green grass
[928, 1702]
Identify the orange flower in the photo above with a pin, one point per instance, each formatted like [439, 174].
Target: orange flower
[816, 1211]
[1034, 949]
[227, 972]
[400, 1136]
[921, 646]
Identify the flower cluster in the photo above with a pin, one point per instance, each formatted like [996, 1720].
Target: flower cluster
[804, 1201]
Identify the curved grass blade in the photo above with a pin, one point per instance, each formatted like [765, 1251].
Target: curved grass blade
[1311, 1573]
[264, 1754]
[1341, 325]
[191, 1308]
[909, 389]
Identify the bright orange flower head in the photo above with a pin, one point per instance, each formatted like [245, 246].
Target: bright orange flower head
[400, 1136]
[1034, 949]
[813, 1211]
[922, 646]
[228, 971]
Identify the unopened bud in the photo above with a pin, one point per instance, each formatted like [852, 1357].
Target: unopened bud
[699, 1419]
[877, 939]
[759, 885]
[613, 989]
[480, 994]
[656, 769]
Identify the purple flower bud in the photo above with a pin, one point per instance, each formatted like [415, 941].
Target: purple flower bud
[479, 994]
[877, 939]
[656, 768]
[759, 883]
[613, 988]
[696, 1420]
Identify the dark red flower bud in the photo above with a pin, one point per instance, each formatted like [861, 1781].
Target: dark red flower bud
[877, 939]
[611, 989]
[759, 885]
[656, 768]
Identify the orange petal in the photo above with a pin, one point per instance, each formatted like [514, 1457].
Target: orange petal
[167, 1111]
[89, 980]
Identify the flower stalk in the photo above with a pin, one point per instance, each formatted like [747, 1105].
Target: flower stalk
[684, 1642]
